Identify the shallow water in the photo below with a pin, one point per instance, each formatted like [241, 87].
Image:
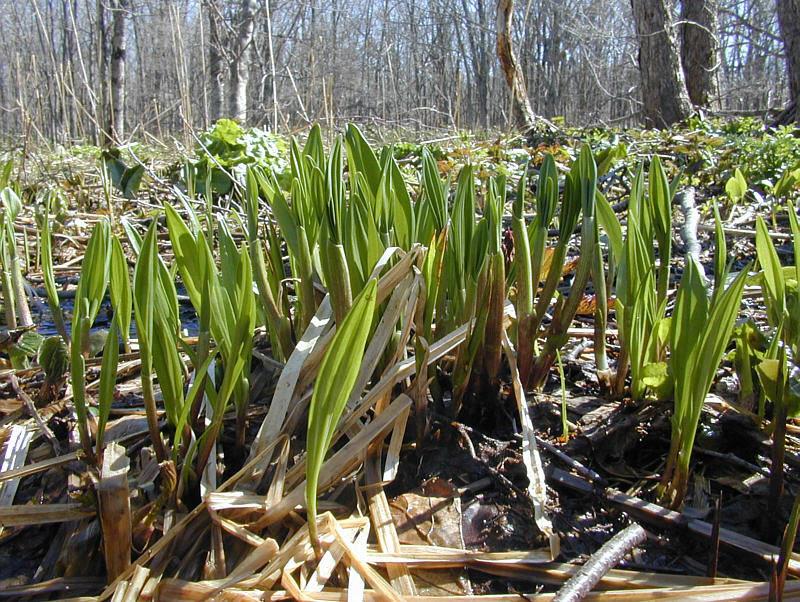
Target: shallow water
[40, 312]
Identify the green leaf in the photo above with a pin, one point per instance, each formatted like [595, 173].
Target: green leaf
[144, 285]
[771, 377]
[795, 228]
[434, 188]
[335, 381]
[774, 284]
[108, 379]
[93, 281]
[657, 377]
[786, 183]
[134, 238]
[361, 158]
[736, 186]
[120, 289]
[12, 205]
[609, 222]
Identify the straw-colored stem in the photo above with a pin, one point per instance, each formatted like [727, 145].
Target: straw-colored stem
[525, 284]
[339, 285]
[494, 325]
[20, 297]
[152, 416]
[279, 323]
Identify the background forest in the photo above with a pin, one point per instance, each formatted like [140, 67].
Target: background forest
[163, 66]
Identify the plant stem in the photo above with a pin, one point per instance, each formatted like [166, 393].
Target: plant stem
[152, 415]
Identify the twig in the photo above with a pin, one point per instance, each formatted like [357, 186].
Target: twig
[658, 515]
[464, 431]
[31, 408]
[778, 581]
[733, 459]
[585, 472]
[744, 232]
[713, 553]
[602, 561]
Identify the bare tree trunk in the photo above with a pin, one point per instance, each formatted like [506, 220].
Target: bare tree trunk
[215, 45]
[664, 94]
[115, 119]
[240, 65]
[521, 110]
[699, 51]
[102, 71]
[789, 18]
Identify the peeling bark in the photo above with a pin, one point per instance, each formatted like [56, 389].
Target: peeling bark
[521, 110]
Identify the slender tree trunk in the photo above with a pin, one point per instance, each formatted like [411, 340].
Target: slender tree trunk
[215, 72]
[521, 110]
[664, 94]
[699, 51]
[102, 71]
[789, 18]
[115, 118]
[240, 66]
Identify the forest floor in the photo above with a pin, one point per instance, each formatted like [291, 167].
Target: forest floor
[471, 510]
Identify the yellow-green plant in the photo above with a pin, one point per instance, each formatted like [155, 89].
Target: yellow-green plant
[699, 334]
[47, 267]
[529, 257]
[781, 292]
[89, 295]
[496, 286]
[225, 306]
[641, 292]
[157, 327]
[14, 296]
[267, 281]
[581, 187]
[335, 381]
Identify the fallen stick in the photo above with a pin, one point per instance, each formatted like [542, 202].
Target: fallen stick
[31, 408]
[744, 232]
[601, 562]
[586, 473]
[658, 515]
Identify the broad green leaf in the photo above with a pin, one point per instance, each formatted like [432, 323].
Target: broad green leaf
[144, 291]
[657, 377]
[736, 186]
[434, 190]
[314, 147]
[788, 180]
[94, 272]
[404, 223]
[335, 381]
[547, 191]
[720, 253]
[795, 228]
[361, 158]
[134, 238]
[607, 157]
[774, 283]
[120, 289]
[12, 205]
[609, 222]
